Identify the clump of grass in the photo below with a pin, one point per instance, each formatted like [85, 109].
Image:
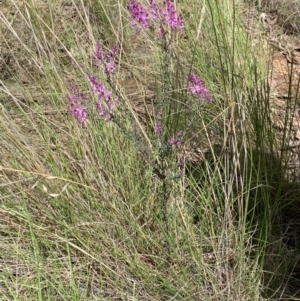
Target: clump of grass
[113, 206]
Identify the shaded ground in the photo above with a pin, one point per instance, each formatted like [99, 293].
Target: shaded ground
[273, 24]
[277, 24]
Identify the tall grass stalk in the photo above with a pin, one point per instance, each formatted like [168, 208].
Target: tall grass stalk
[119, 209]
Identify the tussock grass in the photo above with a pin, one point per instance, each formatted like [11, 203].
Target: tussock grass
[102, 211]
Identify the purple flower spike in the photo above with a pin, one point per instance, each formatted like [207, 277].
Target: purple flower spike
[80, 113]
[77, 109]
[171, 17]
[97, 87]
[99, 52]
[139, 14]
[197, 87]
[166, 14]
[108, 60]
[106, 106]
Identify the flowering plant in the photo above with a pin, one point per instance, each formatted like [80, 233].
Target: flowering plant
[164, 16]
[147, 16]
[197, 87]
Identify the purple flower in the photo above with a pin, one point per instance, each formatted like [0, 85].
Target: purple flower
[170, 15]
[99, 52]
[105, 105]
[108, 96]
[114, 51]
[181, 162]
[139, 14]
[197, 87]
[174, 141]
[77, 109]
[105, 111]
[80, 113]
[101, 108]
[179, 134]
[97, 87]
[166, 14]
[108, 59]
[109, 67]
[154, 9]
[158, 128]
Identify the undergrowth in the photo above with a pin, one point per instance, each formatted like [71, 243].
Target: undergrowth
[138, 158]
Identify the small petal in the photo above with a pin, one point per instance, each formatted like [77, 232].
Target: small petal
[158, 128]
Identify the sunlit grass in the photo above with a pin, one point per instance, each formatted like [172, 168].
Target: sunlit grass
[103, 211]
